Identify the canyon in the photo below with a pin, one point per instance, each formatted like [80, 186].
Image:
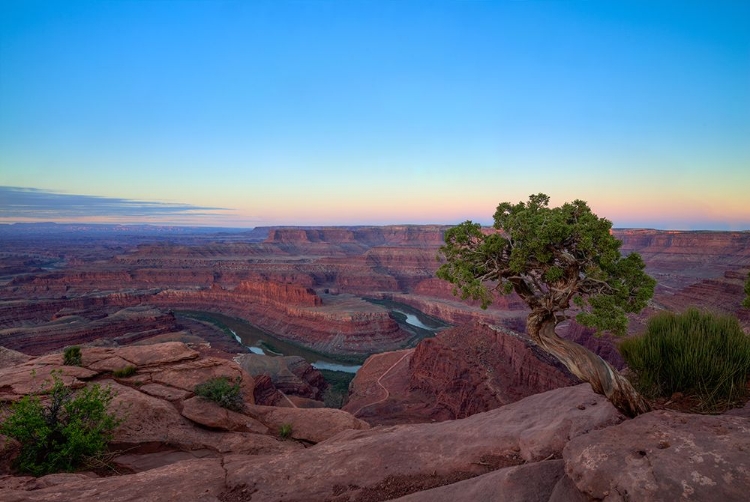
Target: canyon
[358, 296]
[305, 285]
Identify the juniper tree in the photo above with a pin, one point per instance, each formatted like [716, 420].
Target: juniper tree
[563, 262]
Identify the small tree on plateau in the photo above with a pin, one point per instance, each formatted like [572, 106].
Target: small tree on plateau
[558, 260]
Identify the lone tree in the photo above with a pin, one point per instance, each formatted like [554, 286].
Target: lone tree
[552, 258]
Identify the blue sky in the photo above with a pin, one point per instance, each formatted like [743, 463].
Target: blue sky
[312, 112]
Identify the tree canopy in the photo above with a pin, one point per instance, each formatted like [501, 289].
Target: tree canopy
[563, 262]
[551, 257]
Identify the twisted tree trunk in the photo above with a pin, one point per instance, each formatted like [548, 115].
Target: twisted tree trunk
[586, 365]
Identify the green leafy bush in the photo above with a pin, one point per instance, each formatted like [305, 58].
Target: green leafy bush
[223, 392]
[698, 354]
[63, 434]
[123, 372]
[285, 431]
[72, 356]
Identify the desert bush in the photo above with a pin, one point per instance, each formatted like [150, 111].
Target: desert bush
[62, 435]
[125, 371]
[72, 356]
[698, 354]
[285, 431]
[223, 392]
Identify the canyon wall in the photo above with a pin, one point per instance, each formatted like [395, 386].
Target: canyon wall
[303, 284]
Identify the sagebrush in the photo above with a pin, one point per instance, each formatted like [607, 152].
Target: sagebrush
[696, 353]
[72, 356]
[285, 431]
[125, 371]
[63, 434]
[223, 391]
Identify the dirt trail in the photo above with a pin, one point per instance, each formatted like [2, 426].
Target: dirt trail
[387, 392]
[289, 400]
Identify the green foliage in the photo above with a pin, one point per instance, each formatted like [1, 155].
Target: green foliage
[338, 387]
[698, 354]
[550, 257]
[223, 392]
[285, 431]
[63, 434]
[746, 302]
[125, 371]
[72, 356]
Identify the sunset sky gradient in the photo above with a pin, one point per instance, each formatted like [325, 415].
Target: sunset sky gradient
[232, 113]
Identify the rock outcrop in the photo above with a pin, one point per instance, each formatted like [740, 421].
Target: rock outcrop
[563, 445]
[460, 372]
[163, 419]
[664, 455]
[292, 375]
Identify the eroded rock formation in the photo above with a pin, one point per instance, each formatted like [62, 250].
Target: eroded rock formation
[461, 372]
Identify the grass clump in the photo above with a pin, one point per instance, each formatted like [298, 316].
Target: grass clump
[285, 431]
[125, 371]
[223, 392]
[72, 356]
[702, 355]
[68, 432]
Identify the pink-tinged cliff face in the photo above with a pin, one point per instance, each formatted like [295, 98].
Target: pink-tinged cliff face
[462, 371]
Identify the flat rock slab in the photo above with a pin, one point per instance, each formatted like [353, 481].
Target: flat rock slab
[164, 392]
[110, 364]
[157, 354]
[200, 480]
[189, 374]
[149, 420]
[664, 455]
[308, 424]
[148, 461]
[524, 483]
[207, 413]
[531, 429]
[30, 378]
[348, 465]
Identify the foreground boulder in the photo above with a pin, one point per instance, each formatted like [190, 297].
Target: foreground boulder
[564, 445]
[368, 464]
[664, 455]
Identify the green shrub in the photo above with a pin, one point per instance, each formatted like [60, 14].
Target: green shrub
[63, 434]
[223, 392]
[124, 372]
[72, 356]
[703, 355]
[285, 431]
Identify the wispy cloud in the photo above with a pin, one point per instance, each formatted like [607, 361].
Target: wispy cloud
[19, 203]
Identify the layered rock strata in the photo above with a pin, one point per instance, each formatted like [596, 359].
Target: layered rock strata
[461, 372]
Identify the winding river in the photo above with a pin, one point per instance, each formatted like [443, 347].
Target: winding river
[260, 342]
